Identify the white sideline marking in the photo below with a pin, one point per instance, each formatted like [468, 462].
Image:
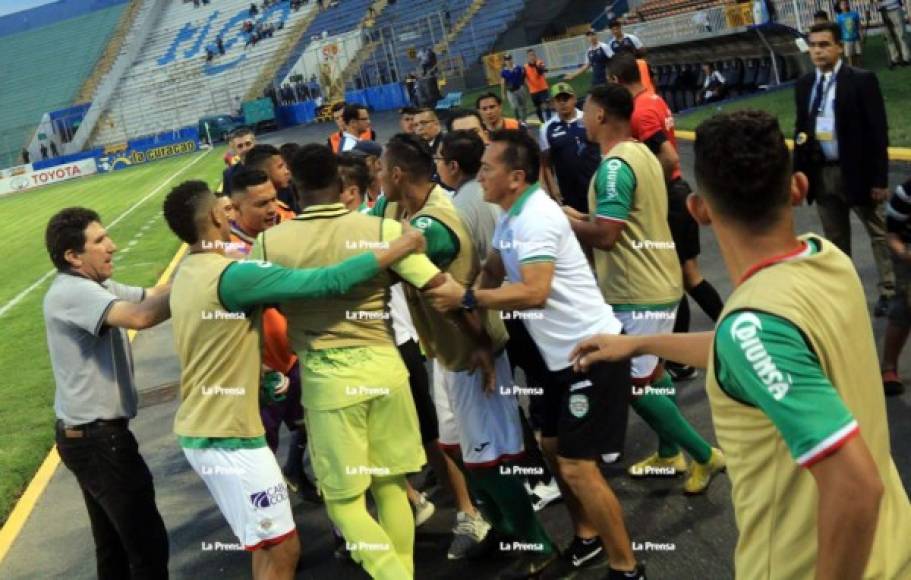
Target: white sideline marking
[22, 295]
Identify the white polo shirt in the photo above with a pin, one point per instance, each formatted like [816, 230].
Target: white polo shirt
[535, 229]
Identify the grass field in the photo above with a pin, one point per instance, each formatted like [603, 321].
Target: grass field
[129, 203]
[894, 84]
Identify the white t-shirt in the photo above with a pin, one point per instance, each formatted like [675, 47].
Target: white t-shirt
[535, 229]
[348, 142]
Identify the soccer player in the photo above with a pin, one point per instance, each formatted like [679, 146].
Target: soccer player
[479, 414]
[790, 373]
[898, 214]
[552, 289]
[652, 123]
[639, 276]
[621, 42]
[269, 159]
[355, 176]
[468, 120]
[597, 56]
[214, 303]
[361, 419]
[241, 141]
[566, 152]
[490, 106]
[85, 316]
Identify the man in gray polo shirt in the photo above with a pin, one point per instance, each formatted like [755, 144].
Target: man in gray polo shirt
[85, 316]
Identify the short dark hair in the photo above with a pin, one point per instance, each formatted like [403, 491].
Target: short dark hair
[352, 112]
[488, 95]
[247, 176]
[422, 110]
[465, 148]
[625, 68]
[315, 167]
[615, 22]
[830, 27]
[408, 111]
[181, 207]
[66, 231]
[821, 14]
[260, 154]
[457, 114]
[288, 150]
[614, 99]
[240, 132]
[522, 152]
[353, 170]
[412, 154]
[743, 167]
[337, 107]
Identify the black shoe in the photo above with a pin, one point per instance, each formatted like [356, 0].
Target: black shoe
[637, 574]
[680, 372]
[881, 307]
[892, 384]
[579, 556]
[529, 565]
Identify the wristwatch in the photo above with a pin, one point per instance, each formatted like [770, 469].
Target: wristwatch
[469, 302]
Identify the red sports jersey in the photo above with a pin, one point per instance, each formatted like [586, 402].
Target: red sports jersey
[651, 115]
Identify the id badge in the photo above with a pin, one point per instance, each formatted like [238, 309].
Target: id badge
[825, 129]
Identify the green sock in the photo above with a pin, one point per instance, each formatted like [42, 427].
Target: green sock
[511, 500]
[394, 513]
[370, 545]
[666, 447]
[665, 418]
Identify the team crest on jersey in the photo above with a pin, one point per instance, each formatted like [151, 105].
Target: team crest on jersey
[578, 405]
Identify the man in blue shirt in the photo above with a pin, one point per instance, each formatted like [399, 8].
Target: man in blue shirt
[851, 32]
[597, 56]
[512, 84]
[566, 153]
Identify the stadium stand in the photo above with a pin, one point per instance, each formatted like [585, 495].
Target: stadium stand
[47, 66]
[477, 38]
[172, 83]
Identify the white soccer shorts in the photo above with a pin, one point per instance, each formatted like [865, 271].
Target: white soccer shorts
[639, 322]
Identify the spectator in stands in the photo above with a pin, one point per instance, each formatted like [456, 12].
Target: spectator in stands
[411, 85]
[427, 127]
[428, 61]
[597, 56]
[357, 122]
[26, 156]
[43, 150]
[851, 32]
[568, 159]
[54, 151]
[253, 11]
[713, 87]
[623, 42]
[894, 21]
[241, 141]
[220, 44]
[537, 84]
[406, 119]
[512, 87]
[820, 16]
[841, 144]
[468, 120]
[490, 106]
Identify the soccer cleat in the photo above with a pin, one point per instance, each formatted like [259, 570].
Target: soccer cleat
[637, 574]
[609, 458]
[545, 494]
[468, 532]
[423, 510]
[655, 466]
[580, 556]
[530, 565]
[701, 474]
[892, 384]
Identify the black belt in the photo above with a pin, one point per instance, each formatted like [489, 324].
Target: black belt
[96, 427]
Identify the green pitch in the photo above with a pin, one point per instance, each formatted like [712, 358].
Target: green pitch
[129, 203]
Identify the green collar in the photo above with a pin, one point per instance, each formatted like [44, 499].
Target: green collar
[322, 210]
[516, 208]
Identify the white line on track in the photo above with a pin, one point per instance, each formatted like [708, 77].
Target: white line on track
[22, 295]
